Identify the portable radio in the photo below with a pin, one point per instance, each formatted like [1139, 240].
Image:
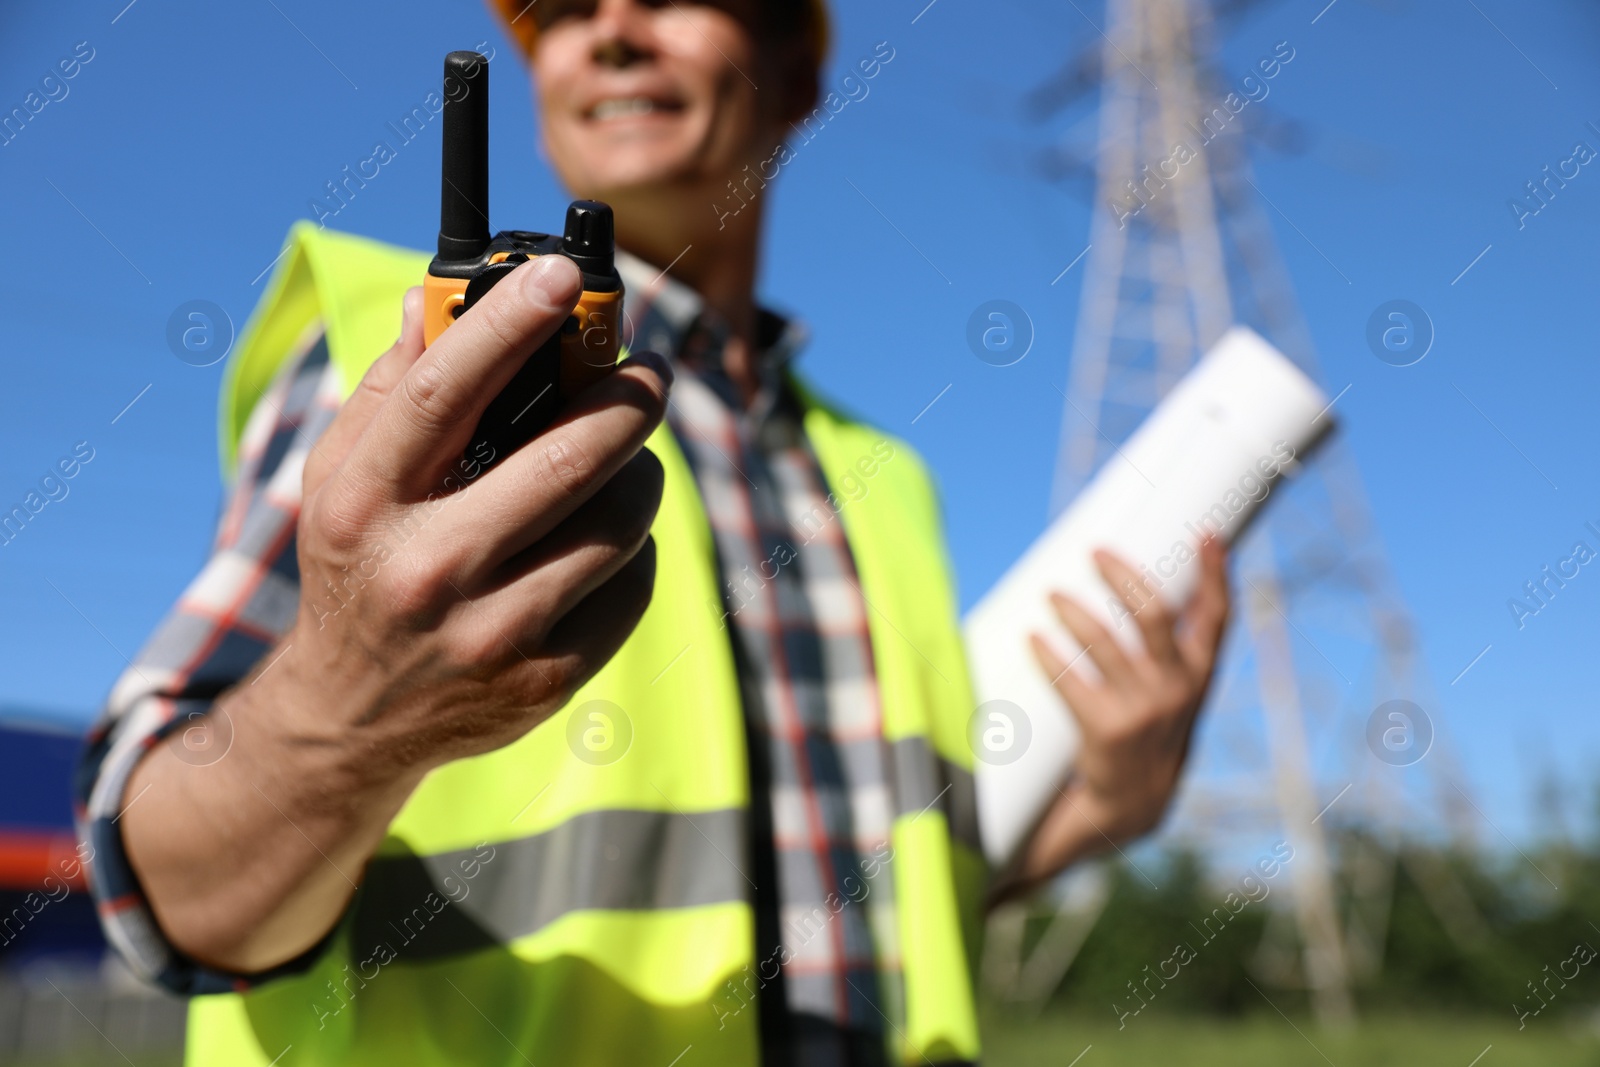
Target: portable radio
[471, 262]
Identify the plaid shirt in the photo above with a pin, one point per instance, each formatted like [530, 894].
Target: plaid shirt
[796, 620]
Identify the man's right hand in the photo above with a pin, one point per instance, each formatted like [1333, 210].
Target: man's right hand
[482, 598]
[450, 601]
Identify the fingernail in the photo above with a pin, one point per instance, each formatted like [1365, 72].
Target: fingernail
[552, 280]
[654, 361]
[405, 315]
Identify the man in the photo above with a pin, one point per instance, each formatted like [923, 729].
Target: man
[323, 802]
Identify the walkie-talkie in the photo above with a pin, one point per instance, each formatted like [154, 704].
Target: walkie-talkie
[470, 263]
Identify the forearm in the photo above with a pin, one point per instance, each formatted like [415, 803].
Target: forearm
[248, 861]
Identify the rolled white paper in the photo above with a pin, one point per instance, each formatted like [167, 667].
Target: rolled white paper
[1204, 459]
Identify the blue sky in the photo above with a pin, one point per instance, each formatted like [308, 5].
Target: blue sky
[184, 148]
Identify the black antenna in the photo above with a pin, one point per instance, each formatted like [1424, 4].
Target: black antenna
[464, 188]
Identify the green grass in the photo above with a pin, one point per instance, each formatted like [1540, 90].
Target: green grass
[1259, 1041]
[1272, 1041]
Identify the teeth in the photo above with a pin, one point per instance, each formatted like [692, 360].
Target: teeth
[611, 109]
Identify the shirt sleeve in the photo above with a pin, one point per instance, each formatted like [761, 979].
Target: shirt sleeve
[233, 613]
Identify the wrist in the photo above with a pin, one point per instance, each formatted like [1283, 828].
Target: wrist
[1065, 835]
[1076, 828]
[309, 722]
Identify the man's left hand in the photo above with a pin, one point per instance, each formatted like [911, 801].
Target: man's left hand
[1135, 722]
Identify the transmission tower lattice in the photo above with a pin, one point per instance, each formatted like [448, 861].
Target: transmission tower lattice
[1180, 249]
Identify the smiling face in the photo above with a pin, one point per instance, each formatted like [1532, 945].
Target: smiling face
[640, 98]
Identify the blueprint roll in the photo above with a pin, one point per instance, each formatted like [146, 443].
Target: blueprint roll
[1205, 460]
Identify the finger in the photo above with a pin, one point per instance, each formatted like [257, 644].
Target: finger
[590, 634]
[1081, 695]
[1205, 620]
[428, 417]
[356, 413]
[582, 554]
[529, 493]
[1096, 640]
[547, 671]
[1150, 612]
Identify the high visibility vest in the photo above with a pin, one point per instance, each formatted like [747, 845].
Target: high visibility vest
[531, 906]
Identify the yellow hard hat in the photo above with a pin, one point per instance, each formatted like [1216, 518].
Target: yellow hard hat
[516, 19]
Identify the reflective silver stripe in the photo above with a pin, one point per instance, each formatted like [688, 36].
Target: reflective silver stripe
[923, 779]
[963, 810]
[424, 907]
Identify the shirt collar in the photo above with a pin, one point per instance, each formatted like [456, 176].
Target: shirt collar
[663, 315]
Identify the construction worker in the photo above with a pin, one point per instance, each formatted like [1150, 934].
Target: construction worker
[644, 744]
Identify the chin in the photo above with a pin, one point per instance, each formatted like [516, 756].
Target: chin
[632, 173]
[635, 173]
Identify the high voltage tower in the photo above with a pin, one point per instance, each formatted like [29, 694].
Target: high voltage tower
[1180, 248]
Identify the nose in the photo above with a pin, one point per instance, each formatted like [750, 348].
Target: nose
[621, 32]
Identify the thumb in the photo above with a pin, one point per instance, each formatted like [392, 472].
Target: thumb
[1206, 617]
[356, 413]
